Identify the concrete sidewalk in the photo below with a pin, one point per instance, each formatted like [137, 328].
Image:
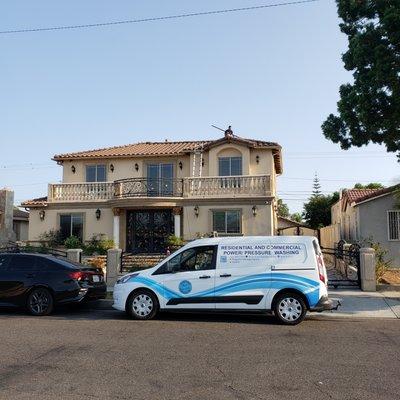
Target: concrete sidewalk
[358, 304]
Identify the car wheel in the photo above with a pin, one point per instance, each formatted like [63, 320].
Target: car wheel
[40, 302]
[142, 304]
[290, 308]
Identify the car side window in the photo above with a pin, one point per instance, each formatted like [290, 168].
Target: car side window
[21, 262]
[4, 259]
[193, 259]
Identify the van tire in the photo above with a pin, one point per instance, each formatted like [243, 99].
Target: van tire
[290, 308]
[142, 304]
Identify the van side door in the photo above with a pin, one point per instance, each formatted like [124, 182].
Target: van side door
[188, 279]
[242, 278]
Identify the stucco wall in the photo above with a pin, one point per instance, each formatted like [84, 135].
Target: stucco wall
[251, 225]
[374, 225]
[92, 226]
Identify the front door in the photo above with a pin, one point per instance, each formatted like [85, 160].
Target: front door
[188, 279]
[148, 230]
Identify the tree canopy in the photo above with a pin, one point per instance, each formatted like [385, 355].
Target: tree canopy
[283, 209]
[369, 108]
[317, 211]
[372, 185]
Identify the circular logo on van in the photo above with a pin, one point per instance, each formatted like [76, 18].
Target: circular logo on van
[185, 287]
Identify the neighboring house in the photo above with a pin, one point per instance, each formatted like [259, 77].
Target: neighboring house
[13, 221]
[287, 227]
[139, 194]
[20, 224]
[369, 214]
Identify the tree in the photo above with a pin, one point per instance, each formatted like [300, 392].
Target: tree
[317, 212]
[297, 217]
[316, 187]
[369, 108]
[372, 185]
[283, 209]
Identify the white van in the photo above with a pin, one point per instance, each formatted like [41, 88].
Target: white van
[280, 274]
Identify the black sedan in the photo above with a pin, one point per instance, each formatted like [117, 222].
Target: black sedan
[39, 282]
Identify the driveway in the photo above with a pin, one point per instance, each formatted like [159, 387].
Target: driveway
[100, 354]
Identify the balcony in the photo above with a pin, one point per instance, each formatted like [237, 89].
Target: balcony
[191, 188]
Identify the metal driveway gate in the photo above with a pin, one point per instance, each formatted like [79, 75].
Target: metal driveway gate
[343, 264]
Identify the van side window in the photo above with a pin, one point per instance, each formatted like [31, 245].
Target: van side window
[194, 259]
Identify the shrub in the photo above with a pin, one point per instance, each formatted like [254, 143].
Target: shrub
[98, 244]
[73, 243]
[97, 263]
[382, 264]
[175, 241]
[52, 238]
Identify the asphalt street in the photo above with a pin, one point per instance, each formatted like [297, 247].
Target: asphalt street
[101, 354]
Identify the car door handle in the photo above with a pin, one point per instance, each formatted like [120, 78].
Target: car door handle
[225, 275]
[204, 277]
[30, 275]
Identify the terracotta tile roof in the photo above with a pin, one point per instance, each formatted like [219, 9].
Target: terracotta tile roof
[155, 149]
[355, 194]
[40, 201]
[377, 193]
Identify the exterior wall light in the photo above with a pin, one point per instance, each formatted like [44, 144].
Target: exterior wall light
[257, 159]
[254, 210]
[98, 214]
[180, 165]
[196, 210]
[42, 214]
[73, 169]
[112, 167]
[136, 167]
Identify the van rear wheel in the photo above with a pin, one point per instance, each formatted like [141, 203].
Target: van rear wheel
[290, 308]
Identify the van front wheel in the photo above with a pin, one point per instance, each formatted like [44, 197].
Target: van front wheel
[290, 308]
[142, 304]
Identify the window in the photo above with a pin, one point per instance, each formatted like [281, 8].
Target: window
[227, 221]
[71, 225]
[22, 263]
[229, 166]
[4, 259]
[195, 259]
[160, 179]
[394, 225]
[95, 173]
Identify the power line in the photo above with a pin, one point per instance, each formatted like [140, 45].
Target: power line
[152, 19]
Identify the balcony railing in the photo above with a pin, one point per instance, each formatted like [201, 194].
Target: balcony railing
[228, 186]
[88, 191]
[194, 187]
[149, 187]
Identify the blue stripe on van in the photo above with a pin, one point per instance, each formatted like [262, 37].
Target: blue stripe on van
[276, 281]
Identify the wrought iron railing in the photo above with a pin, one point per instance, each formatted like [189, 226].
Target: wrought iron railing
[148, 187]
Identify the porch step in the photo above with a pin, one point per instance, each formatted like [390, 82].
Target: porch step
[141, 260]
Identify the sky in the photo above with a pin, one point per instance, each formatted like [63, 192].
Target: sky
[273, 74]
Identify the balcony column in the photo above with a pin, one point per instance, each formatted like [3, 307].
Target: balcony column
[177, 212]
[116, 212]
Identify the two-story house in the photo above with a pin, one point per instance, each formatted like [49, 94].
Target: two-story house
[141, 193]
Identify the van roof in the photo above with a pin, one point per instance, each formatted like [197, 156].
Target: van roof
[231, 239]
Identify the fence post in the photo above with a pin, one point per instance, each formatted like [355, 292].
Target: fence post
[74, 255]
[113, 265]
[367, 269]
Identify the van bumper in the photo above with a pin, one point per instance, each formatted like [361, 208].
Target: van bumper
[324, 304]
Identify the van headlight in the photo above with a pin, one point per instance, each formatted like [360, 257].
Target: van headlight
[126, 278]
